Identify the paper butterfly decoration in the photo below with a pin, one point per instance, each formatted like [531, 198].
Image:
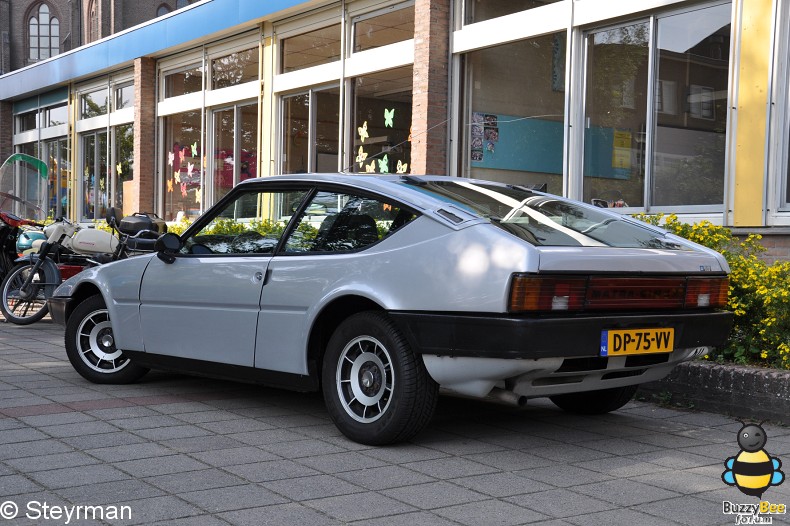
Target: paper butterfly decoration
[170, 158]
[402, 167]
[181, 155]
[361, 157]
[388, 116]
[177, 176]
[363, 131]
[190, 169]
[194, 149]
[384, 165]
[169, 185]
[371, 168]
[101, 184]
[183, 189]
[119, 168]
[198, 193]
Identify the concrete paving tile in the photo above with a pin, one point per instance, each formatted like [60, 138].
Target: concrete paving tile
[198, 480]
[501, 484]
[123, 452]
[272, 470]
[103, 440]
[71, 417]
[421, 518]
[401, 453]
[625, 492]
[270, 436]
[450, 467]
[153, 509]
[196, 520]
[17, 484]
[491, 512]
[311, 487]
[688, 510]
[54, 461]
[563, 475]
[114, 492]
[675, 459]
[173, 432]
[511, 440]
[620, 517]
[298, 421]
[384, 477]
[150, 467]
[239, 425]
[279, 515]
[348, 508]
[78, 475]
[302, 448]
[33, 448]
[199, 417]
[340, 462]
[232, 498]
[560, 503]
[234, 456]
[622, 466]
[201, 443]
[25, 434]
[145, 422]
[434, 495]
[79, 429]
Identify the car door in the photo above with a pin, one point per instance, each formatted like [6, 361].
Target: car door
[205, 304]
[326, 250]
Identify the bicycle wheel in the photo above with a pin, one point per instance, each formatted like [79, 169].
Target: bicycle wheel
[27, 306]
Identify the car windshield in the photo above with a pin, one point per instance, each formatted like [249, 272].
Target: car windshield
[543, 219]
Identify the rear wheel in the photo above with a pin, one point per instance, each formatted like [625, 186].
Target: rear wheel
[24, 305]
[90, 346]
[595, 402]
[376, 389]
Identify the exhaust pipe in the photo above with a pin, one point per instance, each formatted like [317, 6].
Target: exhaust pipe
[503, 396]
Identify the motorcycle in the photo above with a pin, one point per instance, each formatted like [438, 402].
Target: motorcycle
[23, 195]
[68, 250]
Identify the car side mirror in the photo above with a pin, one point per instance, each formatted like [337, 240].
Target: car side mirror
[166, 245]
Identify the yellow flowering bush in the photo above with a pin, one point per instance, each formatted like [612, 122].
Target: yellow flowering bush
[759, 293]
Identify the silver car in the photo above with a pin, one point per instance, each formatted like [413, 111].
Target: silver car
[383, 290]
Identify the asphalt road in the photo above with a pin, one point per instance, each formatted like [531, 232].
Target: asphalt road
[180, 450]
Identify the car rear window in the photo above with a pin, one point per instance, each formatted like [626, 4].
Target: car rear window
[542, 219]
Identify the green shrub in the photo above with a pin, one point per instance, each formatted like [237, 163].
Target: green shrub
[759, 293]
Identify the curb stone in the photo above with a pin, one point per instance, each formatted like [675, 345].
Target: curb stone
[752, 393]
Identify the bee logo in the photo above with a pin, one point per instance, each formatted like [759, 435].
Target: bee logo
[752, 470]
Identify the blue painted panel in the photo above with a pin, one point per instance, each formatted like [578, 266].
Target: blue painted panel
[197, 23]
[522, 144]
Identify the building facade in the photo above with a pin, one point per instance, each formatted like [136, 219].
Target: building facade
[670, 106]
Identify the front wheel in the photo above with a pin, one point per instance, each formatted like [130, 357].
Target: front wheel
[90, 346]
[377, 391]
[25, 305]
[595, 402]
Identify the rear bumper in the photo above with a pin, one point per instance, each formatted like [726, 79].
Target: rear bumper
[502, 336]
[58, 307]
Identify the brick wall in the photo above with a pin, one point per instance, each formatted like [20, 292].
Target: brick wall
[431, 86]
[6, 127]
[142, 198]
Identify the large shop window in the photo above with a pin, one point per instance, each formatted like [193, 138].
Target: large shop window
[310, 141]
[679, 113]
[183, 168]
[389, 26]
[382, 121]
[94, 103]
[235, 152]
[56, 153]
[321, 46]
[236, 68]
[182, 82]
[479, 10]
[513, 127]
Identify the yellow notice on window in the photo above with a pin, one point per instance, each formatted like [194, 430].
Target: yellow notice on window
[621, 150]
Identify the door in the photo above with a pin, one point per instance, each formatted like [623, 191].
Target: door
[205, 304]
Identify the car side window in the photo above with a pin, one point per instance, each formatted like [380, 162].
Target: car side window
[253, 223]
[339, 222]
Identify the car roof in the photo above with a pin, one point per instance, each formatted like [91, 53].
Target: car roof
[386, 185]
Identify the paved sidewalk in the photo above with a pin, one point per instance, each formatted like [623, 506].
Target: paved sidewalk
[182, 450]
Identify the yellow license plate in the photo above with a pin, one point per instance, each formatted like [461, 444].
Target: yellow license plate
[622, 342]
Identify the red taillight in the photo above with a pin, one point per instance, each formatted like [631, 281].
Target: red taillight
[533, 293]
[67, 271]
[707, 292]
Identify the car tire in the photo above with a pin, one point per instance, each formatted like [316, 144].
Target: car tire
[91, 349]
[595, 402]
[24, 309]
[376, 389]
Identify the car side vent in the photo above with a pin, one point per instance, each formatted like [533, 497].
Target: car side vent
[449, 216]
